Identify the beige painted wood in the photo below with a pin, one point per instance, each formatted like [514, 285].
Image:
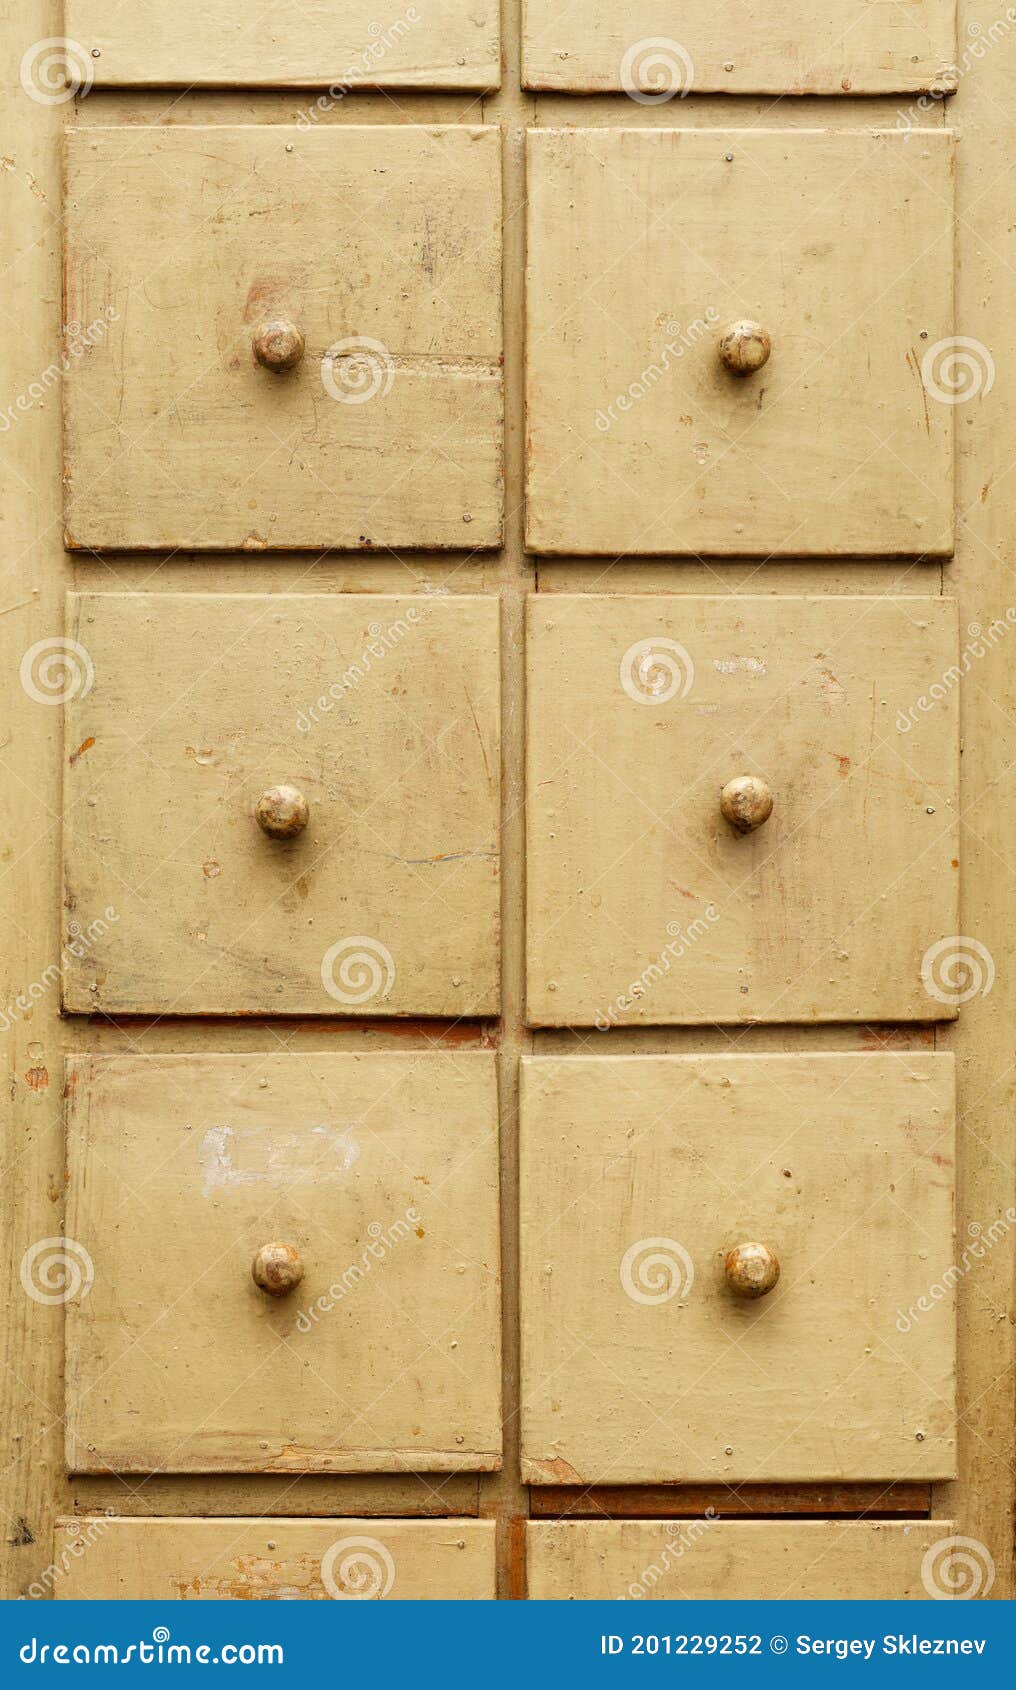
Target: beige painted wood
[96, 1559]
[382, 711]
[659, 52]
[639, 1174]
[738, 1561]
[382, 245]
[645, 905]
[643, 246]
[384, 1358]
[338, 44]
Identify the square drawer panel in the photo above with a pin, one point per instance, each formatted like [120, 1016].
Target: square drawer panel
[646, 901]
[657, 53]
[721, 1262]
[335, 44]
[152, 1560]
[375, 1174]
[645, 247]
[740, 1561]
[380, 713]
[377, 250]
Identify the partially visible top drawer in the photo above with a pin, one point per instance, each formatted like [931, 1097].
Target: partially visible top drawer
[337, 44]
[657, 51]
[291, 339]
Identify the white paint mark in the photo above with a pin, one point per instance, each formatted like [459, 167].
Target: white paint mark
[267, 1155]
[750, 665]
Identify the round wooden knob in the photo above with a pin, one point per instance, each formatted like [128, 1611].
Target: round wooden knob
[751, 1270]
[277, 1269]
[278, 345]
[744, 347]
[282, 812]
[747, 802]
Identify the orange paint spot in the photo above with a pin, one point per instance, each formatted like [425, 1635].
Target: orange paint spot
[86, 745]
[37, 1079]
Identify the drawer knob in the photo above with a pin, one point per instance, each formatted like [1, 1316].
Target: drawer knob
[744, 347]
[282, 812]
[277, 1269]
[278, 345]
[751, 1270]
[747, 802]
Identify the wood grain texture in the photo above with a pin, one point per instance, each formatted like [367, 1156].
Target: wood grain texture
[339, 44]
[383, 711]
[644, 904]
[639, 1173]
[381, 1170]
[99, 1559]
[642, 246]
[384, 241]
[729, 47]
[634, 1502]
[739, 1561]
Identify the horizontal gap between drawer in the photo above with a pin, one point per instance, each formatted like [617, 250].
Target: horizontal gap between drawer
[650, 1502]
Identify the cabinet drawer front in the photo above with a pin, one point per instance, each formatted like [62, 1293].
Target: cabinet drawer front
[646, 903]
[379, 1175]
[740, 1561]
[333, 44]
[380, 713]
[377, 249]
[645, 247]
[153, 1560]
[645, 1180]
[724, 46]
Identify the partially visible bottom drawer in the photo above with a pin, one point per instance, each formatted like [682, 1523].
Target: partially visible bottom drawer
[748, 1560]
[96, 1557]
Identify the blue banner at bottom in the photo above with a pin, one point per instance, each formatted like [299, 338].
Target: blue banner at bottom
[503, 1643]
